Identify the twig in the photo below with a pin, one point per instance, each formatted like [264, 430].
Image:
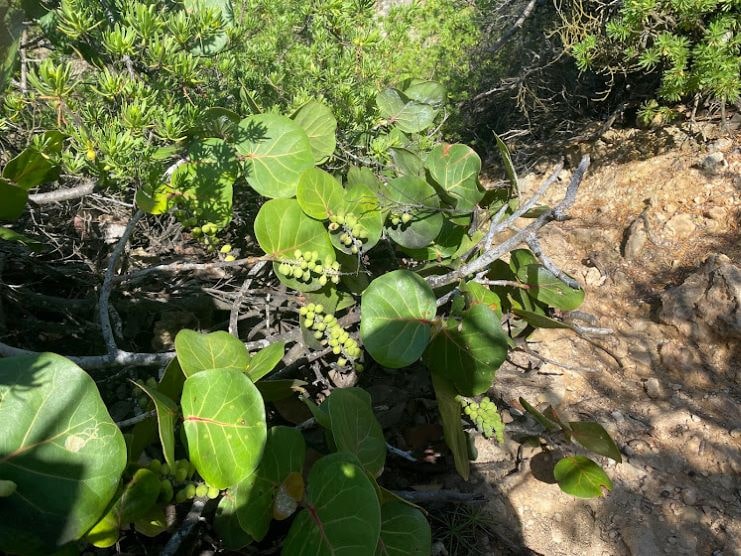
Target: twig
[545, 359]
[426, 497]
[401, 453]
[534, 245]
[62, 194]
[512, 30]
[186, 527]
[558, 213]
[134, 420]
[237, 304]
[24, 61]
[105, 290]
[505, 283]
[183, 267]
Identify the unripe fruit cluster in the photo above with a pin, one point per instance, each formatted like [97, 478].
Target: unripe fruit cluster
[306, 266]
[400, 219]
[329, 332]
[351, 232]
[181, 475]
[206, 234]
[485, 416]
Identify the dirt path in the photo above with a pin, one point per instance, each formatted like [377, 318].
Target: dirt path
[666, 383]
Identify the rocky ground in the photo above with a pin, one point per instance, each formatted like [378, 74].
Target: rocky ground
[654, 239]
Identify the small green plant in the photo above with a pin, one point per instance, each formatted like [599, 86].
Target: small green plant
[693, 48]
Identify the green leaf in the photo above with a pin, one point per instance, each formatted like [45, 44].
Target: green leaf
[281, 228]
[30, 169]
[319, 194]
[404, 531]
[594, 437]
[226, 522]
[139, 495]
[217, 350]
[426, 92]
[456, 169]
[520, 259]
[509, 167]
[546, 423]
[476, 293]
[407, 163]
[152, 523]
[216, 42]
[363, 176]
[395, 316]
[468, 353]
[280, 389]
[7, 488]
[167, 412]
[265, 360]
[548, 289]
[320, 126]
[581, 477]
[60, 447]
[355, 428]
[275, 152]
[421, 200]
[342, 515]
[12, 200]
[450, 416]
[6, 234]
[105, 533]
[537, 320]
[253, 498]
[448, 242]
[224, 421]
[408, 115]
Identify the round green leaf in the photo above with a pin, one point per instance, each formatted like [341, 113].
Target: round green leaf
[138, 497]
[447, 243]
[319, 194]
[342, 515]
[226, 522]
[253, 497]
[265, 360]
[408, 115]
[200, 352]
[404, 531]
[60, 447]
[469, 352]
[581, 477]
[427, 92]
[355, 428]
[275, 152]
[12, 200]
[224, 421]
[320, 126]
[395, 316]
[421, 200]
[456, 169]
[7, 488]
[548, 289]
[281, 228]
[594, 437]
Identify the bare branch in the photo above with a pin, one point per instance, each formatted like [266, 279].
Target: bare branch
[534, 245]
[186, 267]
[236, 306]
[507, 35]
[193, 518]
[62, 194]
[427, 497]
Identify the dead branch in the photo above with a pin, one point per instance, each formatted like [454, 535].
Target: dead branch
[193, 518]
[185, 267]
[509, 33]
[444, 496]
[236, 306]
[65, 194]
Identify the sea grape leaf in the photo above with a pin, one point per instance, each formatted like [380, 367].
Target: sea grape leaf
[427, 92]
[275, 152]
[152, 523]
[456, 169]
[469, 352]
[581, 477]
[224, 422]
[167, 412]
[253, 497]
[404, 531]
[6, 234]
[406, 162]
[104, 534]
[548, 289]
[342, 515]
[355, 428]
[320, 126]
[12, 200]
[509, 167]
[396, 311]
[450, 416]
[139, 495]
[521, 258]
[265, 360]
[476, 293]
[421, 200]
[61, 448]
[226, 522]
[408, 115]
[275, 390]
[319, 194]
[546, 423]
[363, 176]
[199, 352]
[594, 437]
[30, 169]
[539, 321]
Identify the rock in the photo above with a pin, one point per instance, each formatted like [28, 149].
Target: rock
[680, 226]
[720, 145]
[707, 306]
[635, 239]
[678, 357]
[715, 163]
[653, 388]
[593, 277]
[689, 496]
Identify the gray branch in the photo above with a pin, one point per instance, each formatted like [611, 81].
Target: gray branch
[62, 194]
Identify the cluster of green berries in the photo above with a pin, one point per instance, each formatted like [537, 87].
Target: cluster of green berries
[180, 474]
[206, 234]
[485, 416]
[400, 219]
[351, 232]
[306, 265]
[329, 333]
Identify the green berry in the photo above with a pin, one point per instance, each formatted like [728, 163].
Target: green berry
[155, 465]
[319, 269]
[406, 218]
[308, 323]
[201, 490]
[306, 276]
[225, 249]
[318, 334]
[297, 254]
[190, 490]
[181, 496]
[307, 256]
[323, 280]
[166, 491]
[181, 474]
[319, 308]
[297, 272]
[165, 469]
[337, 350]
[213, 492]
[303, 311]
[342, 361]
